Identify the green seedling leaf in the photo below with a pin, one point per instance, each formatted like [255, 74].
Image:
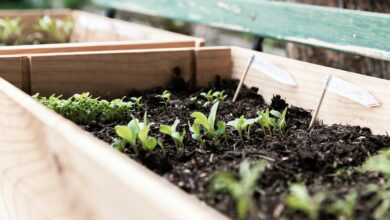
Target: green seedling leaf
[379, 163]
[300, 199]
[344, 207]
[173, 133]
[126, 134]
[241, 189]
[242, 124]
[210, 128]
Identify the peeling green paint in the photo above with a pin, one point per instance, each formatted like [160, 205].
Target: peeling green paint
[351, 31]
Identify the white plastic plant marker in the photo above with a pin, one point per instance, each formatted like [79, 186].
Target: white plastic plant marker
[274, 72]
[353, 92]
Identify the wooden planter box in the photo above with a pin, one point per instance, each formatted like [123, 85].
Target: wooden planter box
[51, 169]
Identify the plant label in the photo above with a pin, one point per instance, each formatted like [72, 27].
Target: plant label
[352, 92]
[274, 72]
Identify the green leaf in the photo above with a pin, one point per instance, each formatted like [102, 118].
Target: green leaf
[166, 129]
[249, 175]
[379, 163]
[213, 115]
[243, 207]
[201, 119]
[126, 133]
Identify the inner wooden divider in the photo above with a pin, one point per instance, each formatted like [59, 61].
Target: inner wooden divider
[310, 79]
[116, 73]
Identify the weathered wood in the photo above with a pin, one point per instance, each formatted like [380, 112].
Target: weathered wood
[357, 32]
[336, 59]
[51, 169]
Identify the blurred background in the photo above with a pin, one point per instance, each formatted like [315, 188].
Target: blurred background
[214, 36]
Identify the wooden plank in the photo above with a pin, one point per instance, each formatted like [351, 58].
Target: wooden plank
[51, 169]
[95, 46]
[115, 73]
[105, 29]
[11, 70]
[352, 31]
[310, 79]
[109, 73]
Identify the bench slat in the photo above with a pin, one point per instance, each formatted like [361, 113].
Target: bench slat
[357, 32]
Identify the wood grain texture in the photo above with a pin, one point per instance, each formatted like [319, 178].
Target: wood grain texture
[310, 79]
[357, 32]
[51, 169]
[107, 74]
[104, 29]
[11, 70]
[93, 46]
[115, 73]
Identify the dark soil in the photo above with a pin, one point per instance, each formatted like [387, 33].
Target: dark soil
[323, 158]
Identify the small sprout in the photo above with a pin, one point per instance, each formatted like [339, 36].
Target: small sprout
[242, 125]
[241, 189]
[10, 31]
[176, 136]
[300, 199]
[213, 96]
[272, 120]
[165, 97]
[380, 200]
[137, 102]
[83, 108]
[266, 121]
[344, 207]
[210, 127]
[379, 163]
[55, 30]
[137, 131]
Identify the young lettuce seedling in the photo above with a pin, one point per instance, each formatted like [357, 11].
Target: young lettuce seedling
[165, 97]
[272, 120]
[242, 125]
[137, 102]
[137, 131]
[55, 30]
[241, 189]
[379, 163]
[176, 136]
[213, 97]
[344, 207]
[300, 199]
[210, 127]
[10, 31]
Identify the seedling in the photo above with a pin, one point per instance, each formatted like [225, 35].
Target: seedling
[272, 120]
[240, 189]
[344, 207]
[176, 136]
[379, 163]
[208, 125]
[10, 31]
[165, 97]
[213, 97]
[83, 108]
[242, 125]
[300, 199]
[137, 131]
[55, 30]
[137, 102]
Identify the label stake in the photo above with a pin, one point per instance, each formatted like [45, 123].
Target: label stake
[243, 76]
[317, 110]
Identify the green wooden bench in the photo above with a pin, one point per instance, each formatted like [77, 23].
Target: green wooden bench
[357, 32]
